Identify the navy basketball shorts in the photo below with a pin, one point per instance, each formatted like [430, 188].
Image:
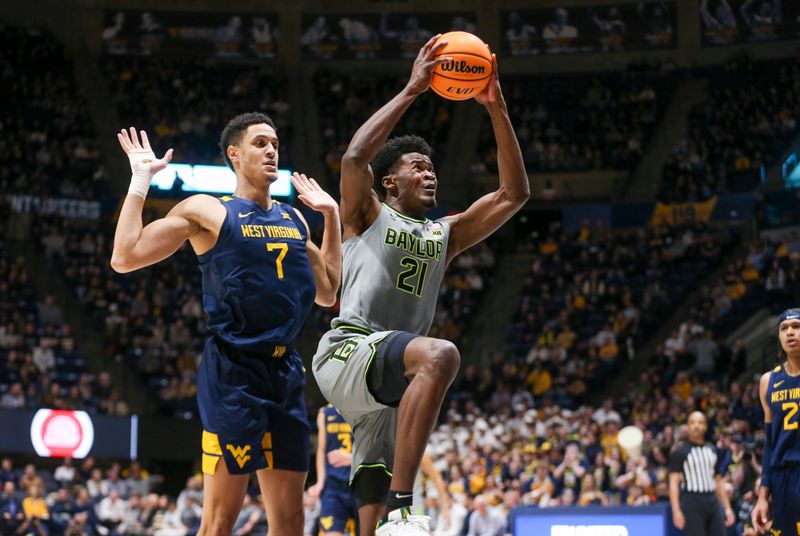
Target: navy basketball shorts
[785, 493]
[252, 408]
[337, 508]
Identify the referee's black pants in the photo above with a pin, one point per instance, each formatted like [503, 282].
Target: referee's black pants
[703, 513]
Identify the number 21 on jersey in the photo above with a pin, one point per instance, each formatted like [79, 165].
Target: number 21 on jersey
[412, 279]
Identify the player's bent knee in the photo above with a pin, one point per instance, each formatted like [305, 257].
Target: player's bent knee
[445, 358]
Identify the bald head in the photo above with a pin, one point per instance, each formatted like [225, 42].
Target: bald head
[698, 425]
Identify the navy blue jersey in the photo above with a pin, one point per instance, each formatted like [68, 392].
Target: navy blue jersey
[258, 286]
[338, 435]
[783, 397]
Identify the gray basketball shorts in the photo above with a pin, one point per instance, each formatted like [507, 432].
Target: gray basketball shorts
[340, 367]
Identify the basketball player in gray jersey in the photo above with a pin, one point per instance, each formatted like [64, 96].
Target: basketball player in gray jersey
[376, 365]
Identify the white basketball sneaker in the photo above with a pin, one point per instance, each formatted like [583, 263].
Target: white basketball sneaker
[402, 522]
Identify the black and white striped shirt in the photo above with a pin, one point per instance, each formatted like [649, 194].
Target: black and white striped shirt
[698, 463]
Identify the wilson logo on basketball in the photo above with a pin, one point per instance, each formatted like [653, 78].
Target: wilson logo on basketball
[462, 67]
[62, 433]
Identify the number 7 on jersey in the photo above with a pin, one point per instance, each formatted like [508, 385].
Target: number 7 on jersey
[282, 248]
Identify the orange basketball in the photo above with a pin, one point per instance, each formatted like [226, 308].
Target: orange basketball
[469, 71]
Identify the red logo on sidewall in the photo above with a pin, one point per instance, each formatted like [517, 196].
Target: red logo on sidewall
[62, 433]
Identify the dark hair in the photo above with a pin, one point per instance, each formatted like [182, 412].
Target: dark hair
[235, 129]
[386, 159]
[788, 314]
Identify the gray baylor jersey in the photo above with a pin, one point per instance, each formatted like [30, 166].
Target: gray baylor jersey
[392, 274]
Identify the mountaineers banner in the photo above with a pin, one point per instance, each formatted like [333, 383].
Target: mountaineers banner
[670, 214]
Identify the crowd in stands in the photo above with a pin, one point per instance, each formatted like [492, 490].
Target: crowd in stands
[346, 102]
[40, 363]
[152, 319]
[517, 433]
[47, 142]
[580, 122]
[506, 453]
[493, 457]
[81, 499]
[592, 296]
[767, 276]
[747, 119]
[185, 105]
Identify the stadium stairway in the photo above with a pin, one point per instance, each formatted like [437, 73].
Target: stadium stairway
[103, 112]
[643, 182]
[630, 371]
[462, 143]
[758, 333]
[87, 332]
[308, 140]
[487, 332]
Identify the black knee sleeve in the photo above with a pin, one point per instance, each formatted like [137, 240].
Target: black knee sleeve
[370, 486]
[386, 378]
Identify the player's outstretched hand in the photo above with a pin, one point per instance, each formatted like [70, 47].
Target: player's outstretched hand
[311, 194]
[422, 71]
[492, 92]
[760, 516]
[142, 158]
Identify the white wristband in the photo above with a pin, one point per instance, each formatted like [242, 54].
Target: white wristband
[140, 184]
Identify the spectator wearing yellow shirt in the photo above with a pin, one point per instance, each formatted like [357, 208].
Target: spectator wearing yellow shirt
[585, 232]
[36, 513]
[750, 273]
[609, 350]
[548, 247]
[737, 289]
[540, 380]
[608, 440]
[579, 301]
[783, 249]
[742, 161]
[683, 387]
[566, 338]
[589, 492]
[541, 486]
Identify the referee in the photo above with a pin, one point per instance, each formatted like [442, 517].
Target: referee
[693, 479]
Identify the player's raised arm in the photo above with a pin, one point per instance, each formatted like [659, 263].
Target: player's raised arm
[326, 262]
[136, 247]
[491, 211]
[360, 204]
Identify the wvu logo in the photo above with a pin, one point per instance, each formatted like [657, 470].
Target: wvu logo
[279, 351]
[239, 453]
[286, 216]
[326, 522]
[775, 532]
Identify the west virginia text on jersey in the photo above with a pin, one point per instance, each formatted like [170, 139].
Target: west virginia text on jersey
[259, 271]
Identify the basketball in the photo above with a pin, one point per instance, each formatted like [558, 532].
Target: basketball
[469, 71]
